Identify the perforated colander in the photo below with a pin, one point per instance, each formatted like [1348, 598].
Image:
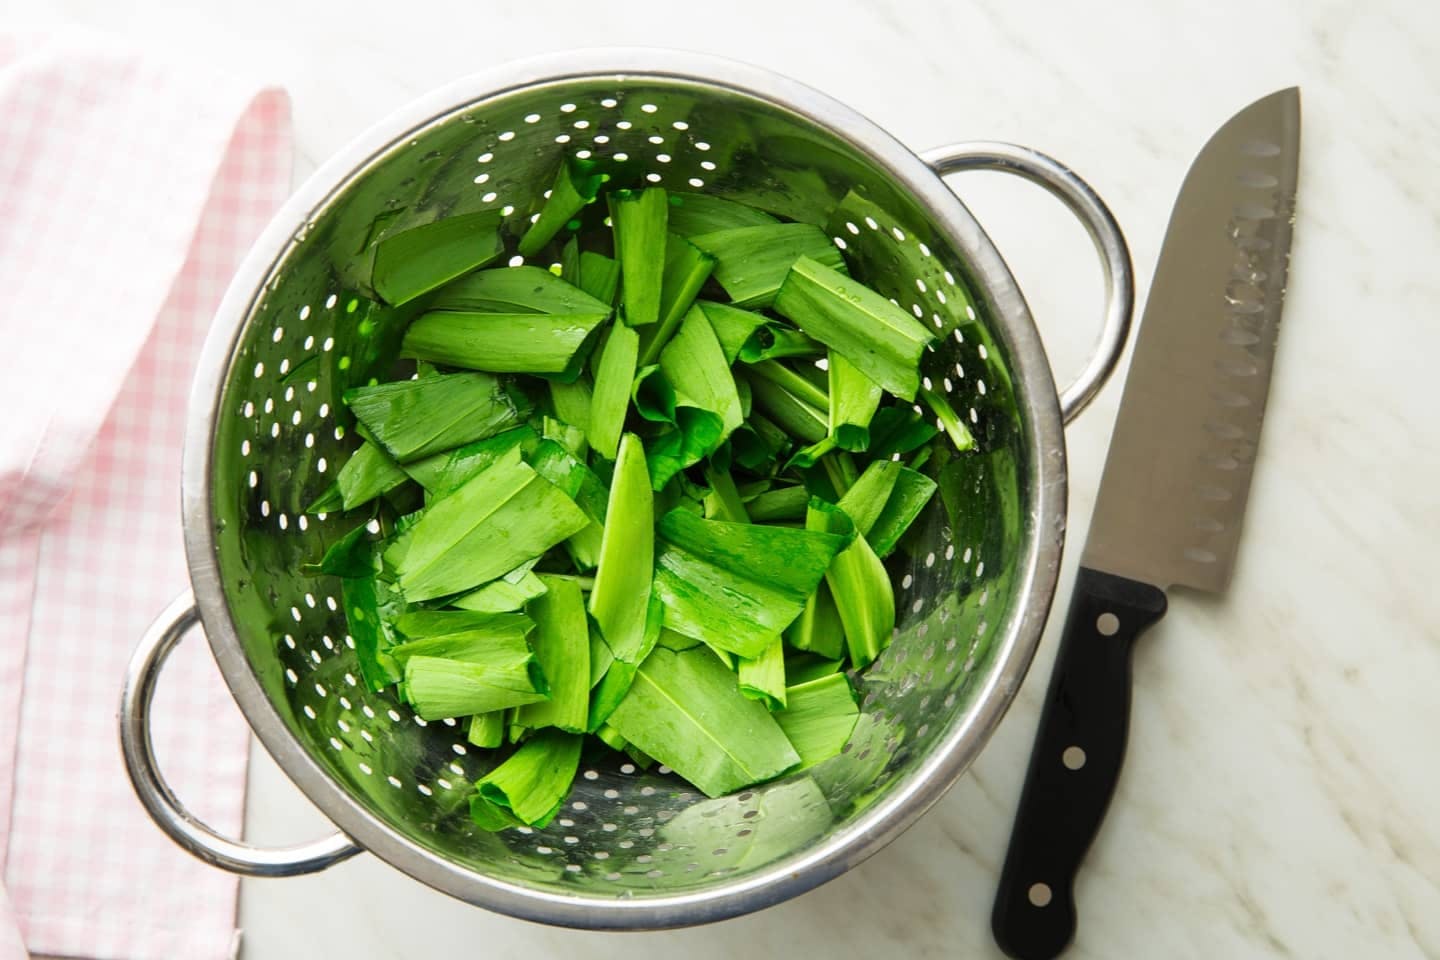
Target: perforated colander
[267, 432]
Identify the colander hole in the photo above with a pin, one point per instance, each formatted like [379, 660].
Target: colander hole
[623, 125]
[870, 222]
[315, 655]
[424, 790]
[645, 858]
[583, 154]
[365, 735]
[581, 124]
[612, 794]
[924, 250]
[532, 118]
[950, 278]
[930, 559]
[970, 312]
[647, 791]
[707, 165]
[906, 581]
[291, 676]
[367, 710]
[917, 606]
[279, 333]
[657, 140]
[937, 320]
[696, 182]
[328, 345]
[949, 701]
[275, 429]
[630, 810]
[752, 814]
[331, 300]
[974, 416]
[330, 602]
[419, 722]
[445, 785]
[572, 840]
[456, 769]
[609, 827]
[569, 107]
[609, 103]
[365, 768]
[320, 690]
[646, 831]
[335, 742]
[980, 569]
[980, 385]
[482, 178]
[393, 714]
[612, 876]
[295, 613]
[507, 136]
[563, 138]
[485, 158]
[701, 145]
[917, 310]
[625, 844]
[653, 177]
[746, 797]
[572, 868]
[565, 822]
[309, 342]
[601, 855]
[248, 410]
[591, 775]
[309, 711]
[898, 233]
[284, 521]
[840, 242]
[601, 139]
[284, 369]
[290, 641]
[517, 261]
[259, 370]
[627, 768]
[662, 157]
[394, 781]
[951, 644]
[254, 479]
[940, 295]
[448, 721]
[622, 157]
[489, 197]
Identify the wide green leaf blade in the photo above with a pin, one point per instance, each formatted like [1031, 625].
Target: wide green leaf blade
[613, 378]
[692, 214]
[365, 475]
[687, 267]
[866, 497]
[422, 258]
[620, 599]
[737, 585]
[510, 592]
[439, 687]
[518, 290]
[562, 645]
[752, 262]
[723, 501]
[640, 233]
[686, 710]
[599, 276]
[898, 429]
[774, 341]
[695, 366]
[864, 596]
[732, 325]
[819, 717]
[500, 518]
[414, 418]
[882, 341]
[854, 399]
[785, 503]
[763, 678]
[504, 342]
[911, 493]
[531, 784]
[818, 628]
[353, 555]
[576, 184]
[443, 473]
[572, 402]
[419, 624]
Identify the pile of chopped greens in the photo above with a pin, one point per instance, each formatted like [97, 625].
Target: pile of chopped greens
[646, 495]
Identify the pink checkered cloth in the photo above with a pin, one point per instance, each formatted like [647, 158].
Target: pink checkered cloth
[129, 190]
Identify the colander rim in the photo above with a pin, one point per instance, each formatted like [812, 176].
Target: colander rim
[1017, 637]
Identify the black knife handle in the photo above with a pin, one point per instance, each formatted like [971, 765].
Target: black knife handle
[1075, 765]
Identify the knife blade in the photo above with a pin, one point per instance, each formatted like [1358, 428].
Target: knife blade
[1172, 495]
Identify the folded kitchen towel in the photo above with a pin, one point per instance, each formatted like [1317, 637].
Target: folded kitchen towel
[130, 187]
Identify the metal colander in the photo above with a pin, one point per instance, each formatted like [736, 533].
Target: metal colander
[267, 431]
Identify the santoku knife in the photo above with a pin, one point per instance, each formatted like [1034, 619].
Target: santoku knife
[1171, 498]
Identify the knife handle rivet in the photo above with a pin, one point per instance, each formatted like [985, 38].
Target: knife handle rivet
[1107, 624]
[1039, 894]
[1073, 758]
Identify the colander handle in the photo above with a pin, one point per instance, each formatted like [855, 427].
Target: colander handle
[155, 794]
[1077, 195]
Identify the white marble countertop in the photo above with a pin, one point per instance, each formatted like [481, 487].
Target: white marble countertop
[1282, 794]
